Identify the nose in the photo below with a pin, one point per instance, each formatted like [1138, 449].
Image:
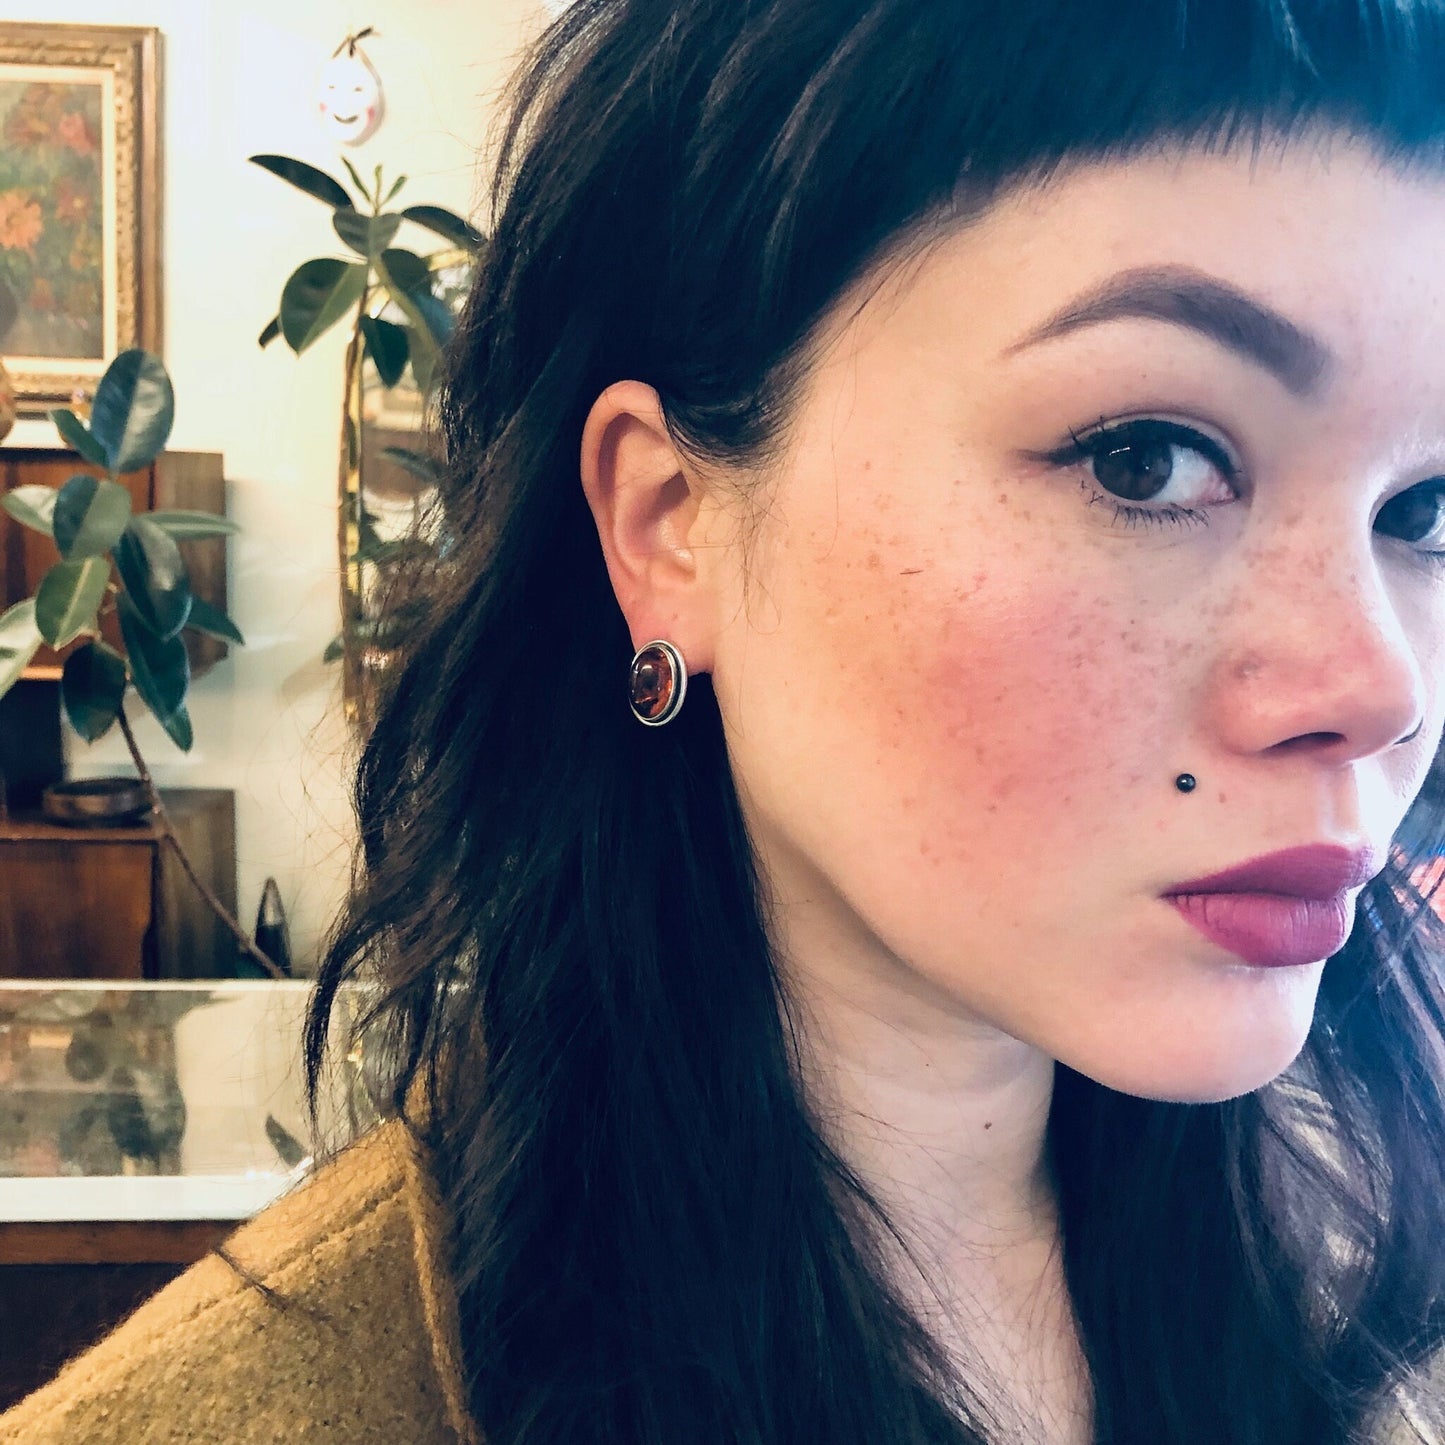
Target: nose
[1316, 659]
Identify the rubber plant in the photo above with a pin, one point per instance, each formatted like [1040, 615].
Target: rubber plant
[323, 292]
[117, 561]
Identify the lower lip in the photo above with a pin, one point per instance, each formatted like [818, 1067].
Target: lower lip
[1270, 930]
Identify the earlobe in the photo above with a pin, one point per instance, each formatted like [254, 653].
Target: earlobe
[645, 507]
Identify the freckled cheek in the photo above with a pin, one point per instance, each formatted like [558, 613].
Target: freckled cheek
[1046, 710]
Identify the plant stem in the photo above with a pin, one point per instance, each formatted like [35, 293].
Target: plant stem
[168, 833]
[349, 506]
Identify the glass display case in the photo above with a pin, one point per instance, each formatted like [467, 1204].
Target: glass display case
[165, 1100]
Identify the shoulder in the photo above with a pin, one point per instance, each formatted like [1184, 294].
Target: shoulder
[350, 1337]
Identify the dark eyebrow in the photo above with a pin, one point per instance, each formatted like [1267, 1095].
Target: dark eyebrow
[1186, 297]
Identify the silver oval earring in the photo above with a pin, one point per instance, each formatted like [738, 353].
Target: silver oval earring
[657, 683]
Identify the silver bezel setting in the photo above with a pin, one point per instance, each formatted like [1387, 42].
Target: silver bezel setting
[679, 682]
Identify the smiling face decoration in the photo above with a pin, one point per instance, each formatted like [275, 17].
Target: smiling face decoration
[349, 98]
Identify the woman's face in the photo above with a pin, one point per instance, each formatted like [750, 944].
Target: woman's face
[961, 663]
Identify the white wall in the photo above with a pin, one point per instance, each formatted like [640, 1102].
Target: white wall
[238, 79]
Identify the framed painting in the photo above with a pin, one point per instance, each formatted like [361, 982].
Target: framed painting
[79, 204]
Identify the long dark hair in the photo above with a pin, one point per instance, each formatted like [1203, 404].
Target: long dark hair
[653, 1243]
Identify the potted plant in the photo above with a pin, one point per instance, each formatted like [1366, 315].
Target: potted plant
[423, 292]
[121, 563]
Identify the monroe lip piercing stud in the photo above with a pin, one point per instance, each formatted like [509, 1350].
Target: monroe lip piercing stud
[1185, 782]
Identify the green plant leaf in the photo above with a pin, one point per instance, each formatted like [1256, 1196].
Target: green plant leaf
[447, 224]
[185, 526]
[396, 185]
[270, 332]
[178, 728]
[387, 346]
[408, 279]
[367, 235]
[213, 622]
[19, 641]
[90, 514]
[426, 360]
[92, 686]
[408, 282]
[133, 411]
[305, 178]
[17, 626]
[439, 320]
[405, 271]
[358, 182]
[318, 294]
[33, 506]
[76, 435]
[335, 649]
[150, 565]
[421, 466]
[161, 673]
[68, 598]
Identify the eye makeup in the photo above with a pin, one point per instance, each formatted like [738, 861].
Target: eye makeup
[1117, 479]
[1129, 463]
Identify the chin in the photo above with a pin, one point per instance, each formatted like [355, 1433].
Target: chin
[1202, 1061]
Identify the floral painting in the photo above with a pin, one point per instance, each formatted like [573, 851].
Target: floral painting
[80, 211]
[52, 218]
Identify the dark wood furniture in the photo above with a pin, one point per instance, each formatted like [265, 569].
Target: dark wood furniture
[114, 902]
[63, 1286]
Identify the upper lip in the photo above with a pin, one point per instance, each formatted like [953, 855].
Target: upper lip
[1318, 870]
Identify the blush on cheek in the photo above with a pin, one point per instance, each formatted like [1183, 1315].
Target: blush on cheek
[1040, 708]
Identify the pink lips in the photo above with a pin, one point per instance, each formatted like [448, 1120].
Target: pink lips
[1282, 909]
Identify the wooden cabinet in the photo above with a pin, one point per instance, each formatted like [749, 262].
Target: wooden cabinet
[115, 902]
[175, 480]
[63, 1286]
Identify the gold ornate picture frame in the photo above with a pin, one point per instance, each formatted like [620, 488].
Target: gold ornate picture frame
[80, 200]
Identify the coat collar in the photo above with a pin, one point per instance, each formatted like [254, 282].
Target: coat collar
[431, 1239]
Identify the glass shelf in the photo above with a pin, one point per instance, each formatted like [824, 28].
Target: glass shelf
[144, 1101]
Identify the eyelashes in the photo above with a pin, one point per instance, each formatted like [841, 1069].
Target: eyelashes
[1125, 483]
[1134, 462]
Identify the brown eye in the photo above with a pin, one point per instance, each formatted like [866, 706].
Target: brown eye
[1138, 461]
[1137, 472]
[1416, 516]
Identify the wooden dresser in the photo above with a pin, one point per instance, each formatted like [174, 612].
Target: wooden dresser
[114, 902]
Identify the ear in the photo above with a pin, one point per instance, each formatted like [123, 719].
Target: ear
[651, 512]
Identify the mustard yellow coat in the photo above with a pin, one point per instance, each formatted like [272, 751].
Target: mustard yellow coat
[362, 1349]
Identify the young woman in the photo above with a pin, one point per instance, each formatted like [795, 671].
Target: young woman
[995, 1004]
[893, 859]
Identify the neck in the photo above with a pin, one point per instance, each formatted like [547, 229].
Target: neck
[942, 1115]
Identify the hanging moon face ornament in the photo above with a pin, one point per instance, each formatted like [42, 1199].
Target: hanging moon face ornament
[349, 96]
